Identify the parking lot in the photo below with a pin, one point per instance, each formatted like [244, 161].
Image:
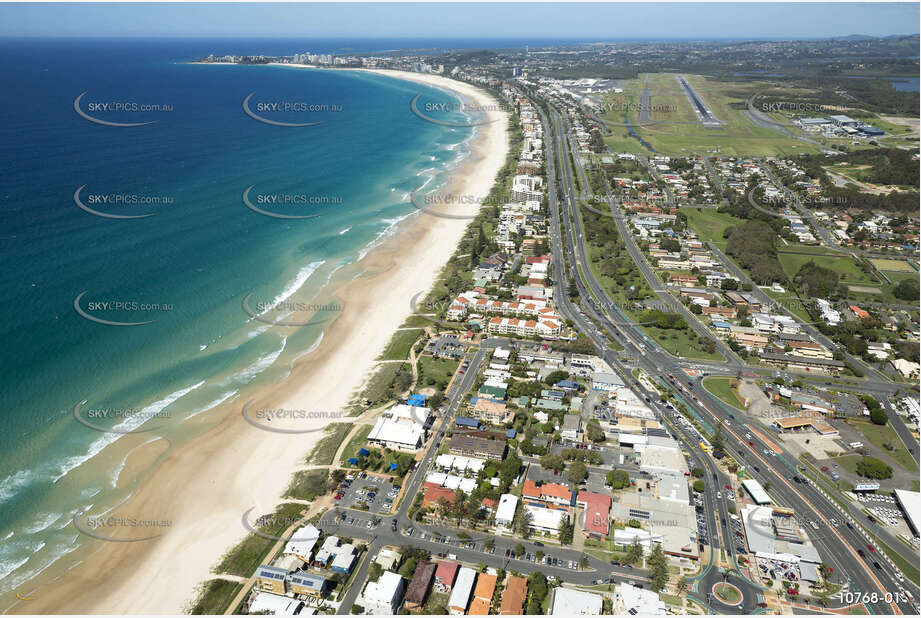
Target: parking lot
[364, 490]
[504, 548]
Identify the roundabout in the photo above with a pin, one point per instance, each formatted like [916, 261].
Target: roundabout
[727, 593]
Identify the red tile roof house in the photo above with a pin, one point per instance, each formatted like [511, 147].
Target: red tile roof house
[597, 509]
[445, 575]
[432, 492]
[548, 492]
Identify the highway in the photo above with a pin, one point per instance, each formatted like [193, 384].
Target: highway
[841, 547]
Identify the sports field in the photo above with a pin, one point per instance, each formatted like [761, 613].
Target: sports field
[896, 266]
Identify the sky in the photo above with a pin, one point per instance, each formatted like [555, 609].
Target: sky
[589, 21]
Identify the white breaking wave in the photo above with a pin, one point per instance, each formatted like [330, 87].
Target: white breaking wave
[44, 521]
[131, 423]
[224, 397]
[345, 230]
[302, 276]
[261, 364]
[387, 231]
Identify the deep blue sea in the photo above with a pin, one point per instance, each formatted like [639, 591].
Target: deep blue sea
[187, 268]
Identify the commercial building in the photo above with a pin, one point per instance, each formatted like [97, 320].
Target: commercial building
[910, 501]
[596, 509]
[401, 428]
[602, 381]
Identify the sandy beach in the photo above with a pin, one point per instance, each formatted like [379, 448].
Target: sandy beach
[203, 488]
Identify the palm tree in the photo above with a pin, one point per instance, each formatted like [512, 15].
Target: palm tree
[583, 562]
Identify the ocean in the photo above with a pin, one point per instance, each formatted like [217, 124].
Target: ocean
[183, 272]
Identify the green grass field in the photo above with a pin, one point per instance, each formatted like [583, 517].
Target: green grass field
[435, 372]
[720, 387]
[358, 441]
[846, 267]
[710, 224]
[880, 435]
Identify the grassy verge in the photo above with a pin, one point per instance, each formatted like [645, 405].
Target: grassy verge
[213, 597]
[722, 389]
[308, 484]
[400, 344]
[324, 451]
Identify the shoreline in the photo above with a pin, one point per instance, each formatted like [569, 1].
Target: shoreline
[204, 487]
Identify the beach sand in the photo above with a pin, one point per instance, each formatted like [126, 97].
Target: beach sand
[204, 488]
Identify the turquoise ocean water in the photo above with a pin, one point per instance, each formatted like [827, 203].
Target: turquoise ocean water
[187, 268]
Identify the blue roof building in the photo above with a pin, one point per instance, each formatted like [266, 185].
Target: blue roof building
[465, 421]
[568, 385]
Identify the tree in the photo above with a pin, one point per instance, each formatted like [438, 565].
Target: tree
[518, 550]
[873, 468]
[699, 486]
[555, 376]
[682, 584]
[552, 461]
[717, 441]
[879, 416]
[523, 521]
[566, 530]
[583, 561]
[594, 432]
[729, 284]
[618, 479]
[658, 567]
[634, 552]
[907, 289]
[577, 473]
[698, 472]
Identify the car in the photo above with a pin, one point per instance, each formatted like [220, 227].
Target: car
[538, 543]
[615, 563]
[728, 486]
[871, 548]
[627, 566]
[878, 566]
[508, 552]
[750, 443]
